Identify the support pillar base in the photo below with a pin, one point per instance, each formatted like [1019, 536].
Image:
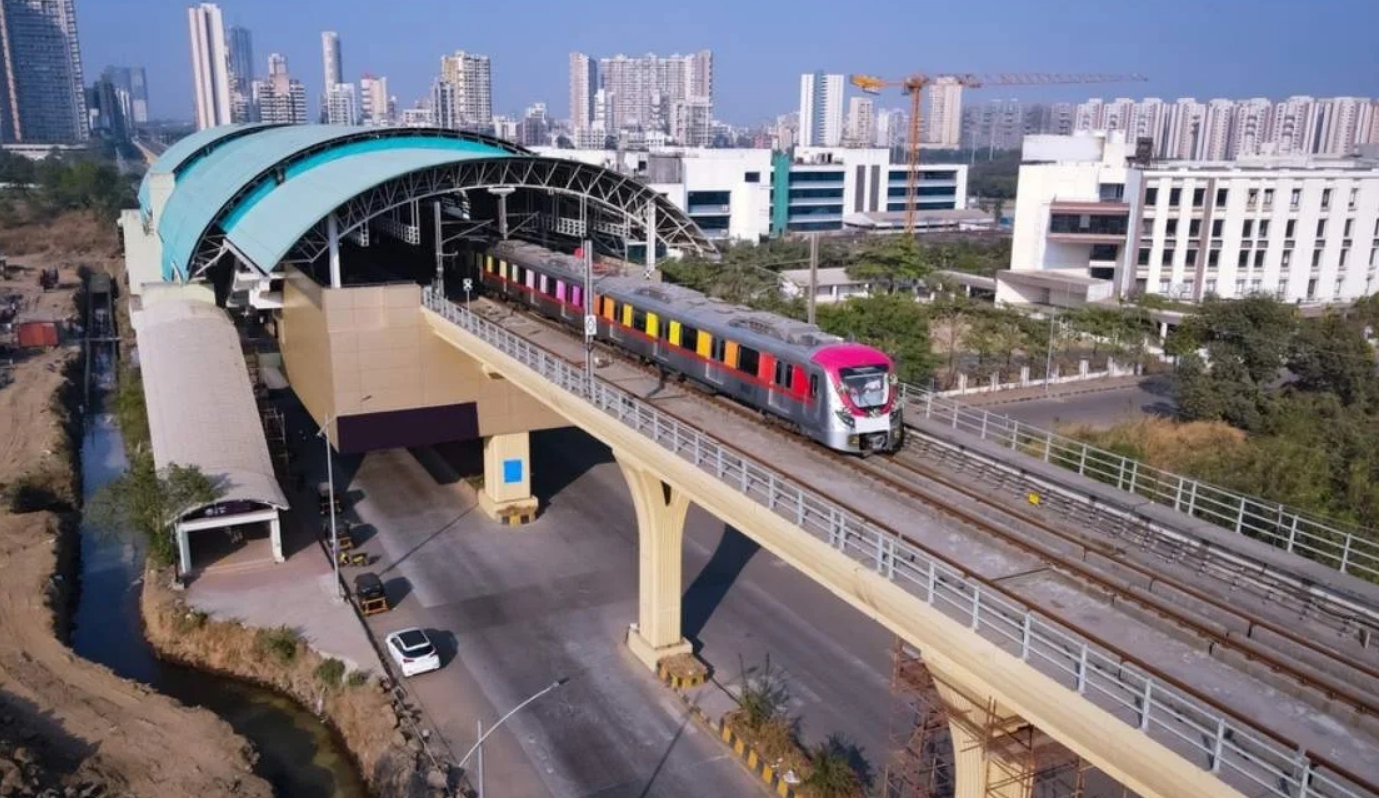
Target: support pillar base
[514, 512]
[650, 655]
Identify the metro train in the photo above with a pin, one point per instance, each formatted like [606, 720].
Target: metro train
[839, 393]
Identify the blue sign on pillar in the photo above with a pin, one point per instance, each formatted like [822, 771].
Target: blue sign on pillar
[512, 471]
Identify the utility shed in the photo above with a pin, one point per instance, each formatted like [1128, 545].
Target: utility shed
[202, 412]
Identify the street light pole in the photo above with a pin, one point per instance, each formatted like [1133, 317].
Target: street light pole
[324, 433]
[483, 735]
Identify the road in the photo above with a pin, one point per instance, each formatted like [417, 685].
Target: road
[519, 608]
[1099, 409]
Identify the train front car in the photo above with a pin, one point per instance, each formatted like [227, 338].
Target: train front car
[863, 404]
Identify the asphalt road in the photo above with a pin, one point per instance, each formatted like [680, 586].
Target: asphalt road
[518, 608]
[1099, 409]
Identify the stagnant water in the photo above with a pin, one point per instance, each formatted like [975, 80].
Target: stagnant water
[298, 754]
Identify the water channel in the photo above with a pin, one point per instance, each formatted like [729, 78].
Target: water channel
[298, 754]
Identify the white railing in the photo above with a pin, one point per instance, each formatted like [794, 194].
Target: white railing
[1200, 733]
[1327, 542]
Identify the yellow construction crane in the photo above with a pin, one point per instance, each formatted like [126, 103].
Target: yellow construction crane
[914, 86]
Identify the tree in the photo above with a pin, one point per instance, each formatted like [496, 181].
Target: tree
[890, 262]
[149, 502]
[893, 323]
[1330, 355]
[831, 774]
[948, 312]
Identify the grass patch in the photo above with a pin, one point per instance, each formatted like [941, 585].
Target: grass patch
[280, 642]
[331, 672]
[357, 679]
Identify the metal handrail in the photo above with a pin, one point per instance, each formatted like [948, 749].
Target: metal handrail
[1320, 540]
[1185, 724]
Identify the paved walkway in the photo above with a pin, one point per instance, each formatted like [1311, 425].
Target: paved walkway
[1035, 392]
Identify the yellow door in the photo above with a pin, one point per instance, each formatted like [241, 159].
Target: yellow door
[675, 333]
[653, 325]
[730, 353]
[705, 344]
[627, 315]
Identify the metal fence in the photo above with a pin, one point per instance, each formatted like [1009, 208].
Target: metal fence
[1348, 550]
[1238, 752]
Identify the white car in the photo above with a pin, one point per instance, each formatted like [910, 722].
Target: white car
[413, 651]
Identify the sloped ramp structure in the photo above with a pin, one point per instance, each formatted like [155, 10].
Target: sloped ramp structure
[202, 412]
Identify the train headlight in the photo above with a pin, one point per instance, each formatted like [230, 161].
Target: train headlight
[845, 417]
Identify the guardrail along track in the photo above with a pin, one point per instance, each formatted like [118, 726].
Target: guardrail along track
[1331, 543]
[1190, 723]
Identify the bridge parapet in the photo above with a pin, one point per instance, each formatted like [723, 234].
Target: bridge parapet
[1029, 662]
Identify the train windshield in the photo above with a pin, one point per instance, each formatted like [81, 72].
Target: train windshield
[867, 386]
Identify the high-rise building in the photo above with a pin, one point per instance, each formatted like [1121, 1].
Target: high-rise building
[240, 45]
[691, 122]
[534, 129]
[821, 110]
[584, 85]
[640, 91]
[861, 121]
[942, 120]
[330, 58]
[42, 94]
[890, 128]
[210, 66]
[462, 96]
[342, 105]
[279, 98]
[108, 103]
[138, 95]
[375, 106]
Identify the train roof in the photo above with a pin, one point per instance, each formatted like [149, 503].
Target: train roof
[758, 329]
[557, 263]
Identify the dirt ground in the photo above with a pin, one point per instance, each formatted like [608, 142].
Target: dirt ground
[67, 723]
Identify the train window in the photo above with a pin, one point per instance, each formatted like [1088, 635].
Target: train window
[489, 265]
[626, 311]
[608, 307]
[639, 320]
[747, 360]
[545, 285]
[784, 374]
[719, 350]
[689, 337]
[813, 386]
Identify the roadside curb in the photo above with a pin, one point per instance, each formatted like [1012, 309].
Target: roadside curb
[517, 517]
[699, 673]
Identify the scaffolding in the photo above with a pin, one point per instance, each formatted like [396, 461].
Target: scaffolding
[921, 763]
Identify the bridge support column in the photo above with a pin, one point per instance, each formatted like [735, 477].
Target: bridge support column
[994, 749]
[660, 533]
[506, 496]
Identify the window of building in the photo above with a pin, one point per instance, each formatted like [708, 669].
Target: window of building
[1345, 255]
[1326, 198]
[1263, 228]
[1213, 258]
[1168, 257]
[1349, 227]
[1295, 199]
[1194, 228]
[1287, 257]
[1240, 288]
[752, 177]
[1190, 258]
[1354, 198]
[1217, 227]
[1316, 258]
[1211, 287]
[1290, 228]
[1199, 197]
[1259, 257]
[1143, 258]
[1247, 230]
[1244, 259]
[1221, 196]
[1175, 197]
[1321, 228]
[1147, 228]
[1171, 228]
[1268, 198]
[1151, 197]
[1164, 285]
[1252, 198]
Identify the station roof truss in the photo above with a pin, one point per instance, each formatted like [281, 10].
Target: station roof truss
[264, 192]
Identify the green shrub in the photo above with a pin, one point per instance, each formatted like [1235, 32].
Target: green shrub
[280, 642]
[357, 679]
[331, 672]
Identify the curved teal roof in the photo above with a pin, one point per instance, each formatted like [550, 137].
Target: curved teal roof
[265, 186]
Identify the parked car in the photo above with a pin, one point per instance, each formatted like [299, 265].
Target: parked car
[413, 651]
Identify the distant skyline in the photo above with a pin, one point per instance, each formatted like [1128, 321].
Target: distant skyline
[1198, 48]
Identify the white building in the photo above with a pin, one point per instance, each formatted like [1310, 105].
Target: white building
[210, 66]
[375, 104]
[584, 85]
[821, 110]
[279, 97]
[1091, 225]
[463, 95]
[333, 67]
[691, 122]
[942, 120]
[342, 105]
[639, 92]
[861, 121]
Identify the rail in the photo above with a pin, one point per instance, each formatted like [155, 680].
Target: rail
[1294, 531]
[1185, 723]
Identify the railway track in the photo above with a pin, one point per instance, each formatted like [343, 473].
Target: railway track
[1320, 671]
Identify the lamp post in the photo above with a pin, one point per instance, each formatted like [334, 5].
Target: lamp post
[324, 434]
[483, 735]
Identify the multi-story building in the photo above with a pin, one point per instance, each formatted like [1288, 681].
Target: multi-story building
[535, 127]
[691, 122]
[138, 95]
[995, 125]
[109, 104]
[462, 97]
[210, 66]
[279, 98]
[42, 93]
[418, 117]
[861, 122]
[342, 105]
[375, 104]
[240, 47]
[584, 87]
[640, 91]
[1092, 224]
[891, 128]
[821, 110]
[751, 194]
[942, 121]
[333, 67]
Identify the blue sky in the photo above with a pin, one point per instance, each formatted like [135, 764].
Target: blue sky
[1206, 48]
